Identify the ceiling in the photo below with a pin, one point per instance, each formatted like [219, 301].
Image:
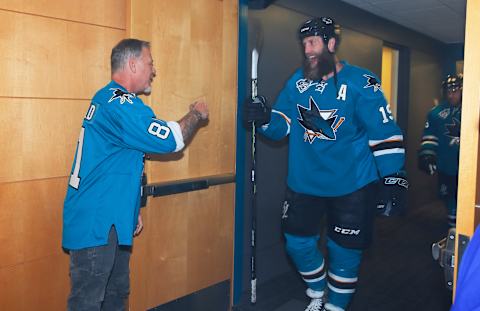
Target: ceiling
[443, 20]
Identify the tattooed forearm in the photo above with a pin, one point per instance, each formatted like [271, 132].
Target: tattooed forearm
[189, 123]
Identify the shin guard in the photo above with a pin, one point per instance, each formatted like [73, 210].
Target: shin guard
[308, 260]
[343, 269]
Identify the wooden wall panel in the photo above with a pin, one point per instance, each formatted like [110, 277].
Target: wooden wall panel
[40, 284]
[110, 13]
[33, 266]
[188, 241]
[40, 137]
[186, 245]
[31, 220]
[194, 46]
[55, 55]
[50, 58]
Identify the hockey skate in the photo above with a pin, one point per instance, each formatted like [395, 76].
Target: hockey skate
[316, 304]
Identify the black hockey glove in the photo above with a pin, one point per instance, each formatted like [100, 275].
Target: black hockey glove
[392, 199]
[256, 110]
[143, 191]
[427, 163]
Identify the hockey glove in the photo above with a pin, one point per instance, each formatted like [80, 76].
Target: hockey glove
[392, 200]
[256, 110]
[427, 163]
[143, 191]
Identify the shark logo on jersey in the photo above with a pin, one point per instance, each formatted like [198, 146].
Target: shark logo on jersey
[373, 83]
[453, 131]
[305, 84]
[321, 124]
[124, 96]
[444, 113]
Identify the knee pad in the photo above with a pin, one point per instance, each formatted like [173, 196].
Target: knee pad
[351, 230]
[302, 214]
[351, 218]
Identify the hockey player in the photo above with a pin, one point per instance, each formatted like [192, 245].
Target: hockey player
[101, 210]
[343, 139]
[439, 149]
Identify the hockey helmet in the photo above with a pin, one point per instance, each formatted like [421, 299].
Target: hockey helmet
[453, 83]
[324, 27]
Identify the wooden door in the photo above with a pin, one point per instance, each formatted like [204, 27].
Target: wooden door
[468, 215]
[188, 240]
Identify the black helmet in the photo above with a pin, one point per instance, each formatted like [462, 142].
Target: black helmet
[453, 83]
[324, 27]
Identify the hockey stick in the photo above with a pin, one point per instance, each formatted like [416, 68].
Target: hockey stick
[257, 41]
[253, 272]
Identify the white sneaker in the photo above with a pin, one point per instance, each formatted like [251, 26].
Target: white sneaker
[317, 300]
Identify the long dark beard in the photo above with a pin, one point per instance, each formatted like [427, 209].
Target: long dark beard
[324, 66]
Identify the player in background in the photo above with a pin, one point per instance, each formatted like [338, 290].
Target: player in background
[343, 139]
[101, 210]
[439, 149]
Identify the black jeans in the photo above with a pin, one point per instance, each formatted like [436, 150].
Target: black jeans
[100, 277]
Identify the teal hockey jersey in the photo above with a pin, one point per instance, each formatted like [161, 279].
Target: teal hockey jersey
[441, 137]
[104, 185]
[341, 136]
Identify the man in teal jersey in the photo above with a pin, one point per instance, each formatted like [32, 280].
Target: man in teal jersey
[101, 210]
[342, 140]
[440, 146]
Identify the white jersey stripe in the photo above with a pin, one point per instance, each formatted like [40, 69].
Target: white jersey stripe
[388, 151]
[430, 143]
[430, 137]
[284, 116]
[177, 134]
[342, 279]
[315, 280]
[372, 143]
[340, 290]
[312, 272]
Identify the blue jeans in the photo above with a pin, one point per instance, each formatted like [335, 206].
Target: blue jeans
[100, 277]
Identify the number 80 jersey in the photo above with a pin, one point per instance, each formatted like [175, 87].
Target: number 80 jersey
[104, 185]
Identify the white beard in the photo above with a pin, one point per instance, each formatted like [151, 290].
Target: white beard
[147, 91]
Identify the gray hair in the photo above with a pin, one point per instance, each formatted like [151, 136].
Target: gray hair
[124, 50]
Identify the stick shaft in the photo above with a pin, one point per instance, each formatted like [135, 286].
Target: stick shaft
[253, 276]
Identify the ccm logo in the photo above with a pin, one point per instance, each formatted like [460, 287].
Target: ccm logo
[346, 231]
[396, 180]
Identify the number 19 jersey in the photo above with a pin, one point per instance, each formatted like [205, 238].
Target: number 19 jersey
[342, 135]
